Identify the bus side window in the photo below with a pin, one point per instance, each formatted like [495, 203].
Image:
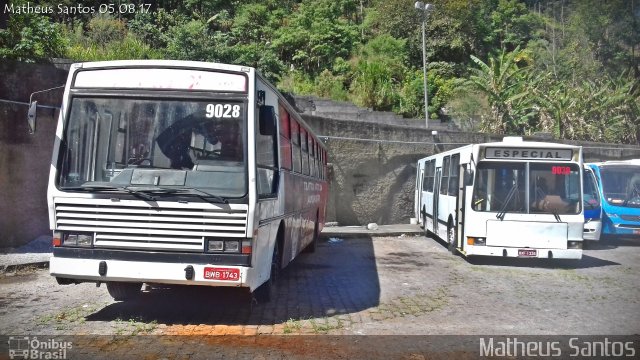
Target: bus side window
[304, 147]
[429, 170]
[312, 157]
[444, 182]
[266, 161]
[295, 146]
[455, 173]
[285, 139]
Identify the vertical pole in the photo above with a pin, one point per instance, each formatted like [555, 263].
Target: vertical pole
[424, 67]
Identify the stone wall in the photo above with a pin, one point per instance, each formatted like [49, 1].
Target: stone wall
[24, 158]
[372, 164]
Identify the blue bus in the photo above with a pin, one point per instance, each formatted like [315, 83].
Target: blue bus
[619, 187]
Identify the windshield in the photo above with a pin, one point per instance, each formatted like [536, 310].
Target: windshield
[621, 185]
[554, 188]
[501, 187]
[150, 142]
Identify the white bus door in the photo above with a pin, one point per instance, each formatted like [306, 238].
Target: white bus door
[460, 201]
[419, 196]
[436, 197]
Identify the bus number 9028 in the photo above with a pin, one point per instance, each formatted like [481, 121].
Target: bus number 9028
[223, 111]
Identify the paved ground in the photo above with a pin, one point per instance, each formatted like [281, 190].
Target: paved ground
[400, 285]
[37, 253]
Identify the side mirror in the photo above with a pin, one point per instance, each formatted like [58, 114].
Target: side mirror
[31, 116]
[267, 120]
[468, 177]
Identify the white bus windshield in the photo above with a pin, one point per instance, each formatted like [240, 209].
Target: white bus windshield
[553, 188]
[151, 142]
[621, 185]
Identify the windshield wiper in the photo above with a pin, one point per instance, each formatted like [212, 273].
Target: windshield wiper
[503, 209]
[203, 195]
[145, 192]
[96, 186]
[556, 215]
[109, 187]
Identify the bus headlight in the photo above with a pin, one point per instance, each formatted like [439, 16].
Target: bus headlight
[215, 245]
[77, 239]
[476, 241]
[574, 244]
[229, 245]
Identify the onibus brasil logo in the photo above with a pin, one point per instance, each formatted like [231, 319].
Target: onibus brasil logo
[26, 347]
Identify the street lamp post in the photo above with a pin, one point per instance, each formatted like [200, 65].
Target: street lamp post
[425, 8]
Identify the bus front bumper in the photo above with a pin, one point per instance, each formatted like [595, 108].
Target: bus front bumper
[70, 264]
[471, 250]
[592, 230]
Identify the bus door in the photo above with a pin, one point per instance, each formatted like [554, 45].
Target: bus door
[436, 197]
[591, 205]
[418, 200]
[460, 201]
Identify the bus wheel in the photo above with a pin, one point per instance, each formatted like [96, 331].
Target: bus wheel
[122, 291]
[265, 292]
[451, 239]
[311, 248]
[424, 224]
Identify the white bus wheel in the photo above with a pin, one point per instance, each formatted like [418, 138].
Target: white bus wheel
[122, 291]
[451, 239]
[266, 292]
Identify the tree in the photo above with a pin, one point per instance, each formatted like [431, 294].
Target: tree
[316, 34]
[378, 72]
[504, 81]
[191, 41]
[252, 33]
[154, 27]
[596, 110]
[31, 37]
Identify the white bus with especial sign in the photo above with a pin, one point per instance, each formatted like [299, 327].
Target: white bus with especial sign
[512, 198]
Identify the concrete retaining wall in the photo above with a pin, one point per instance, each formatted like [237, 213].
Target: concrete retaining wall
[373, 164]
[340, 110]
[25, 159]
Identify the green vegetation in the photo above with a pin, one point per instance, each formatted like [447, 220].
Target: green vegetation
[567, 67]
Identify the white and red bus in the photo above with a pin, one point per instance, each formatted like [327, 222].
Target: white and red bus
[179, 172]
[512, 198]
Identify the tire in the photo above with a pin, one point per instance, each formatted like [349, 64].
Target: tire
[424, 224]
[266, 292]
[311, 248]
[451, 239]
[122, 291]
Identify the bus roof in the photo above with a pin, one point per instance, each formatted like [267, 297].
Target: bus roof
[508, 142]
[516, 141]
[635, 162]
[162, 63]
